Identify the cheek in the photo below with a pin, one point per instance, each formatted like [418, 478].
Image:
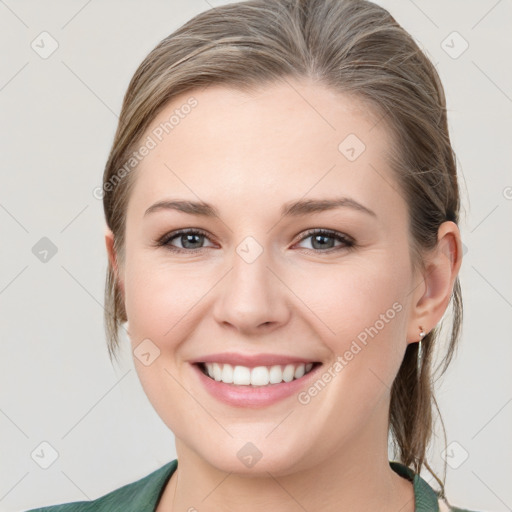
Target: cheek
[351, 299]
[346, 301]
[363, 311]
[159, 299]
[160, 307]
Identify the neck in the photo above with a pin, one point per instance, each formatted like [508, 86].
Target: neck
[356, 477]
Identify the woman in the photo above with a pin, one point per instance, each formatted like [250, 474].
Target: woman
[282, 204]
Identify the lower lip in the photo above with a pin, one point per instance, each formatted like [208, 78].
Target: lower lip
[253, 396]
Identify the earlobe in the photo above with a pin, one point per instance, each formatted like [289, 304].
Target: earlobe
[112, 256]
[442, 266]
[109, 243]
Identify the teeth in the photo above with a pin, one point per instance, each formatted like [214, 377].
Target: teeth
[227, 374]
[257, 376]
[260, 376]
[300, 371]
[288, 372]
[217, 371]
[241, 375]
[276, 375]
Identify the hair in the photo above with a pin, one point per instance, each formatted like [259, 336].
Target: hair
[354, 47]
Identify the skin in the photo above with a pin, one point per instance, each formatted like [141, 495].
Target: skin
[248, 154]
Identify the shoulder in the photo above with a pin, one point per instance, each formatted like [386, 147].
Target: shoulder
[139, 496]
[427, 499]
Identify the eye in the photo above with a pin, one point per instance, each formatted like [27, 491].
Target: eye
[190, 240]
[322, 240]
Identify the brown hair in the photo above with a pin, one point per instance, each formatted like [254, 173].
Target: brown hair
[354, 47]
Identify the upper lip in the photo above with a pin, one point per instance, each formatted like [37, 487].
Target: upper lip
[251, 360]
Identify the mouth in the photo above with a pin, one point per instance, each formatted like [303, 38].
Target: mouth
[257, 376]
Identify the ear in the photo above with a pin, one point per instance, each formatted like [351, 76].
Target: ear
[112, 256]
[433, 295]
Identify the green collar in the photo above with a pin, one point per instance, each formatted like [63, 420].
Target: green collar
[425, 498]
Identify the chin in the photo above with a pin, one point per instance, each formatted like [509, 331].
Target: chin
[254, 459]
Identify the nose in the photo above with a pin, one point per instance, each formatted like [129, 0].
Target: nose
[251, 298]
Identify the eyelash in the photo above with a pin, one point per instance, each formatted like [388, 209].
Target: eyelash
[348, 242]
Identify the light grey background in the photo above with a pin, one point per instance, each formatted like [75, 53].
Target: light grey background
[58, 119]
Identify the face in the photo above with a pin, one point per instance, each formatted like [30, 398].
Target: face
[276, 284]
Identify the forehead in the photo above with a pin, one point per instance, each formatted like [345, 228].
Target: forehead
[288, 138]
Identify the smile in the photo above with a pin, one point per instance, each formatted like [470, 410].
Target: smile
[256, 376]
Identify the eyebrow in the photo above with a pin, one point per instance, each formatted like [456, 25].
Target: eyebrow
[290, 209]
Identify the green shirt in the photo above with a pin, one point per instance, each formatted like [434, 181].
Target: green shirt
[143, 495]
